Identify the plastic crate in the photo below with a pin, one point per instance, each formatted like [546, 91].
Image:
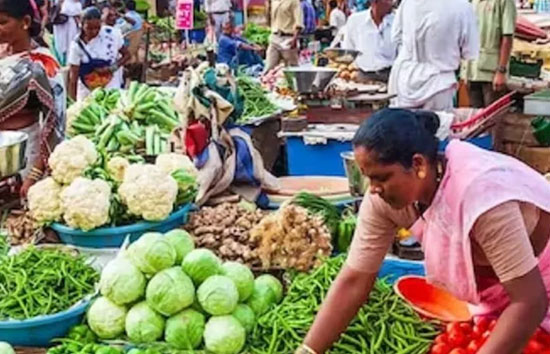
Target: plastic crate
[325, 159]
[112, 237]
[315, 160]
[393, 269]
[39, 331]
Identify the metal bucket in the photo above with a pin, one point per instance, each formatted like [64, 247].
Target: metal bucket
[358, 184]
[12, 152]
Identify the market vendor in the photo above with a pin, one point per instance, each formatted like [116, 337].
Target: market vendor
[369, 32]
[235, 51]
[423, 75]
[286, 26]
[42, 96]
[95, 55]
[486, 76]
[482, 219]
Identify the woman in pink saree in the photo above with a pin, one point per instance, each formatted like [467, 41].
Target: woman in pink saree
[483, 220]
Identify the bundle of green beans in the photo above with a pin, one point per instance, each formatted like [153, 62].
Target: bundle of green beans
[385, 324]
[43, 281]
[256, 103]
[4, 246]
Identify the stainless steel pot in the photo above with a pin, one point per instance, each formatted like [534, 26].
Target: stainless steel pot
[309, 79]
[12, 152]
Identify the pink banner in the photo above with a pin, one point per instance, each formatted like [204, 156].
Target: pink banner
[184, 14]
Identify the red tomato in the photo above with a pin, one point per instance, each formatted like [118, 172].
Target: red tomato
[442, 339]
[473, 347]
[458, 351]
[533, 347]
[453, 326]
[466, 328]
[542, 336]
[477, 332]
[544, 339]
[482, 323]
[441, 348]
[457, 339]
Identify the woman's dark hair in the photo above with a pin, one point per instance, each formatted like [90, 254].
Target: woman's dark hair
[18, 9]
[396, 135]
[333, 4]
[90, 13]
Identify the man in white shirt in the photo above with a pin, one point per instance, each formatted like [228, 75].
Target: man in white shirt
[218, 11]
[433, 36]
[369, 32]
[337, 16]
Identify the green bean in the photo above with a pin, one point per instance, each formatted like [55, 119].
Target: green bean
[39, 282]
[373, 330]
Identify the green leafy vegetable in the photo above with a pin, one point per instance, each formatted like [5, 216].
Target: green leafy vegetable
[218, 295]
[106, 318]
[224, 335]
[170, 291]
[185, 329]
[143, 324]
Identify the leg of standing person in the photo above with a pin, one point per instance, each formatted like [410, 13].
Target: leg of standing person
[476, 95]
[272, 57]
[291, 57]
[441, 101]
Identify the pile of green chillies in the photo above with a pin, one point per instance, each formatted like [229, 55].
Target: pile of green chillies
[43, 281]
[256, 103]
[385, 324]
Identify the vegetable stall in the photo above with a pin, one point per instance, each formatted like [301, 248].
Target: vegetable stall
[163, 242]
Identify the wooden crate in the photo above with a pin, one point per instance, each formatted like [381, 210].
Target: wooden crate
[536, 157]
[515, 129]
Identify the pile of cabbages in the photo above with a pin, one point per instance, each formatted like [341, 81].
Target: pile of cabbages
[161, 287]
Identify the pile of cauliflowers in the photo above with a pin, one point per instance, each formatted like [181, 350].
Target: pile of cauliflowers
[148, 191]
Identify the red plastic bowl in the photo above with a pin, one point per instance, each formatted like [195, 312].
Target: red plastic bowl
[431, 301]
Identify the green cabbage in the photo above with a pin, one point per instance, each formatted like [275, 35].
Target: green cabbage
[181, 241]
[201, 263]
[143, 324]
[197, 307]
[170, 291]
[273, 283]
[122, 282]
[224, 335]
[242, 277]
[185, 329]
[6, 348]
[152, 253]
[106, 319]
[262, 298]
[218, 295]
[244, 314]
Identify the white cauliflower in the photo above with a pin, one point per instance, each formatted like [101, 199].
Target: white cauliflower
[148, 192]
[86, 203]
[70, 158]
[44, 199]
[116, 168]
[172, 162]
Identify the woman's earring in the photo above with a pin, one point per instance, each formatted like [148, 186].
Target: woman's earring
[421, 174]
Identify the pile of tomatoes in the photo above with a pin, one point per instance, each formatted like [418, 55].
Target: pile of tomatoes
[467, 338]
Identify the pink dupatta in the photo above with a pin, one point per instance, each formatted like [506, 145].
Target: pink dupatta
[475, 181]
